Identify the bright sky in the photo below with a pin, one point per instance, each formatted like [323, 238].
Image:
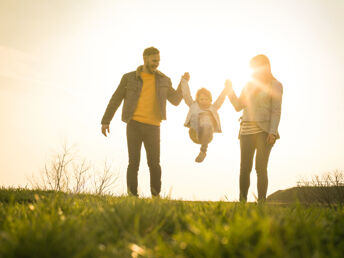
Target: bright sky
[60, 62]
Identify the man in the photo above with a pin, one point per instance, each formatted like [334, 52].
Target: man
[145, 92]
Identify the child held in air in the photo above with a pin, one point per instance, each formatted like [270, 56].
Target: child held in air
[202, 119]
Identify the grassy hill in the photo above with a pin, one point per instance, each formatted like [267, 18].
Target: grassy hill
[310, 194]
[51, 224]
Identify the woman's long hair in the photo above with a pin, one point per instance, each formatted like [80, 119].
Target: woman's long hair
[261, 65]
[262, 61]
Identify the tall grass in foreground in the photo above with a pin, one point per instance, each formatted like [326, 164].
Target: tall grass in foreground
[60, 225]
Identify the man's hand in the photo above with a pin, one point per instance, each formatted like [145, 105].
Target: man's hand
[186, 76]
[271, 139]
[105, 128]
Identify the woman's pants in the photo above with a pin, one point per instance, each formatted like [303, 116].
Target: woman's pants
[249, 144]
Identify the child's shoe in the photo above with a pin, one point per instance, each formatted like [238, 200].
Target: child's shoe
[201, 157]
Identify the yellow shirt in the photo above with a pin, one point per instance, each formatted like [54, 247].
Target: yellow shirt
[147, 110]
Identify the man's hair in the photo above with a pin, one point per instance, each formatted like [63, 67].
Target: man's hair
[151, 51]
[205, 92]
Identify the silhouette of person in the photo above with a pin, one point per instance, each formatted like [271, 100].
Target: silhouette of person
[144, 92]
[261, 101]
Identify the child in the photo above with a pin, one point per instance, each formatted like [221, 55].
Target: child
[202, 119]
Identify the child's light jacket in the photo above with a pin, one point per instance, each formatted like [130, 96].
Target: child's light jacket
[192, 118]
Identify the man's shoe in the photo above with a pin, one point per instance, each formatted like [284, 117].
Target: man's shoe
[201, 157]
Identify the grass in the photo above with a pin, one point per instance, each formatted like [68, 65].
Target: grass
[50, 224]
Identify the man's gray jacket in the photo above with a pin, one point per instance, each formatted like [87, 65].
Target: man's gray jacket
[130, 88]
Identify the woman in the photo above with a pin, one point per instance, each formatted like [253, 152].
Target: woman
[260, 101]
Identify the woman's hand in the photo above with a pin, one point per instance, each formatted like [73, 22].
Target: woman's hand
[271, 139]
[228, 86]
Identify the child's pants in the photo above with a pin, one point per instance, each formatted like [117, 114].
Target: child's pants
[204, 133]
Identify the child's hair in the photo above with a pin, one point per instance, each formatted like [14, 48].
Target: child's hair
[205, 92]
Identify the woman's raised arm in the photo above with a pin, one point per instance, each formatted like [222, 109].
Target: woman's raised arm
[238, 103]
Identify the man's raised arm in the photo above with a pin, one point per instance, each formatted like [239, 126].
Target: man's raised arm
[174, 96]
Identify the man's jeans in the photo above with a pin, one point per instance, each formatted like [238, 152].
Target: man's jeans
[248, 145]
[149, 135]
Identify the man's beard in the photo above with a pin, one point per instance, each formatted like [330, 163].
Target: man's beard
[151, 68]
